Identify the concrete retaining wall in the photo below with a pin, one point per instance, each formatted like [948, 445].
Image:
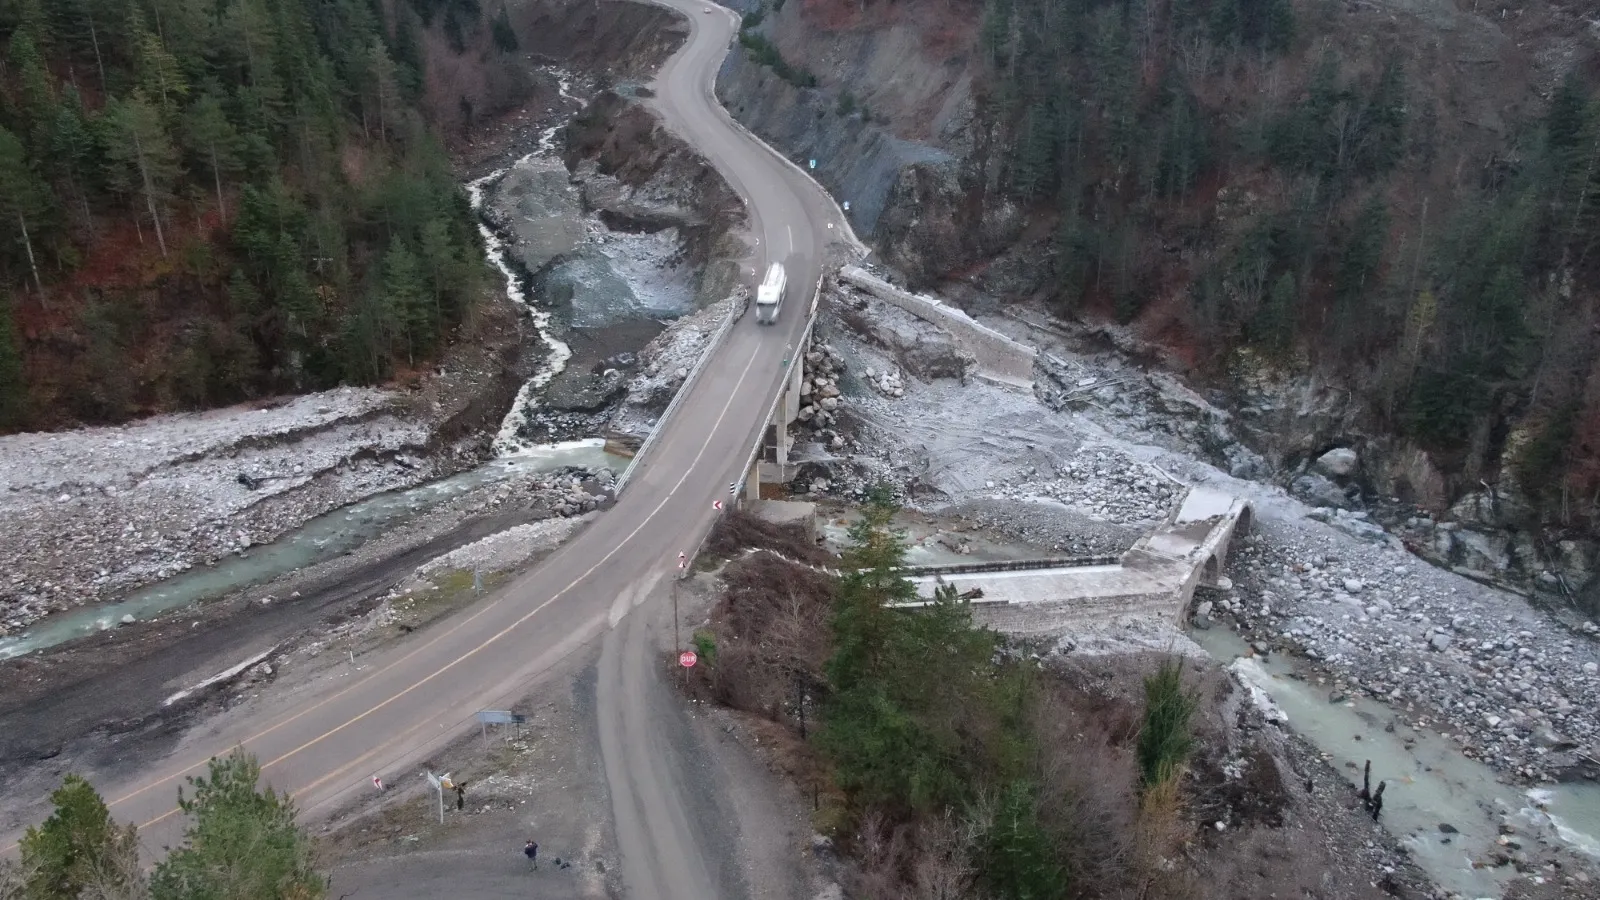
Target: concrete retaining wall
[1053, 619]
[999, 357]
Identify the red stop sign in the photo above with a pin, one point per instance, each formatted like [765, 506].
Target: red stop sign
[687, 659]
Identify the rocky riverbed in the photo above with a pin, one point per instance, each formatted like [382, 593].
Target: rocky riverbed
[1102, 449]
[93, 514]
[1501, 679]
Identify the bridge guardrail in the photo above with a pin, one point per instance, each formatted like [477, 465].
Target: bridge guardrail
[734, 314]
[795, 360]
[761, 433]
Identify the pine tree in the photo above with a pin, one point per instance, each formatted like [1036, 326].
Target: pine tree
[1383, 137]
[242, 841]
[142, 157]
[1165, 739]
[383, 88]
[73, 151]
[1564, 123]
[1363, 253]
[160, 77]
[210, 136]
[447, 276]
[1277, 25]
[79, 851]
[13, 383]
[38, 99]
[1274, 325]
[1183, 140]
[505, 37]
[250, 31]
[24, 200]
[413, 311]
[410, 65]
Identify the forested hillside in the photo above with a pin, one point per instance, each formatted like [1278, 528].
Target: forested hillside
[1367, 223]
[1282, 185]
[203, 201]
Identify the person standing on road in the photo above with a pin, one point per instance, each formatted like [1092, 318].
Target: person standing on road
[531, 851]
[461, 795]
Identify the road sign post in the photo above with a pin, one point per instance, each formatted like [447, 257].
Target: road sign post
[487, 717]
[688, 658]
[439, 783]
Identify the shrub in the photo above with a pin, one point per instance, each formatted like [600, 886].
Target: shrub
[1165, 740]
[763, 52]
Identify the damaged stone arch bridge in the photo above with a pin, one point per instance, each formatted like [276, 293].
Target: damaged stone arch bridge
[1154, 580]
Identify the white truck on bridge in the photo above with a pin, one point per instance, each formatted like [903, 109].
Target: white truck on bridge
[769, 296]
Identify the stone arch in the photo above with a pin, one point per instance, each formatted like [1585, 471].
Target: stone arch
[1212, 570]
[1245, 522]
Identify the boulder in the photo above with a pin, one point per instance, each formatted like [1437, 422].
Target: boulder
[1340, 462]
[1244, 463]
[1318, 490]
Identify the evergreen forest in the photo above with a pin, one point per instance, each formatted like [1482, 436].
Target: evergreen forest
[205, 201]
[1261, 183]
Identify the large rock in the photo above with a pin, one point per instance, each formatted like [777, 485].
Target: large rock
[937, 357]
[1353, 525]
[536, 202]
[1340, 462]
[574, 391]
[1317, 490]
[1486, 552]
[1245, 463]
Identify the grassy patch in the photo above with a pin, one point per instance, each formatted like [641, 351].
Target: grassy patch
[443, 593]
[765, 53]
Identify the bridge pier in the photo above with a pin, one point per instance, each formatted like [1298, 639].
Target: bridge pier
[769, 460]
[752, 483]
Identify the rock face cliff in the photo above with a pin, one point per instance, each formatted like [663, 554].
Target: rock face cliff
[1311, 210]
[640, 176]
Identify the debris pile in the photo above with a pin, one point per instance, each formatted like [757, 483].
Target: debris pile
[821, 395]
[888, 383]
[1101, 482]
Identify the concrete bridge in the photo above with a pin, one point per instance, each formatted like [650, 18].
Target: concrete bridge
[1154, 580]
[768, 461]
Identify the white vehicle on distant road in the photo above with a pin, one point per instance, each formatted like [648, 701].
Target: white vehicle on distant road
[769, 296]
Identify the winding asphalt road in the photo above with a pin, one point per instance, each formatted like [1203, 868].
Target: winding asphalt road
[405, 703]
